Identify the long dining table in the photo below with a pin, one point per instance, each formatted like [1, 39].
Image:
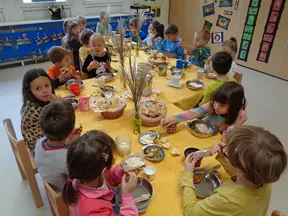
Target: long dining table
[167, 198]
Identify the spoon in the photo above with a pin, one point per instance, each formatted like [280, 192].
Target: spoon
[216, 167]
[150, 154]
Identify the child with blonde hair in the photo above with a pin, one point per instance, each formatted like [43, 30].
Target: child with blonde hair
[98, 61]
[255, 159]
[200, 51]
[134, 32]
[85, 50]
[81, 21]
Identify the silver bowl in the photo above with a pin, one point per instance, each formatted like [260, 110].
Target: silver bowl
[194, 81]
[143, 187]
[209, 183]
[74, 81]
[195, 132]
[158, 151]
[73, 101]
[150, 134]
[108, 76]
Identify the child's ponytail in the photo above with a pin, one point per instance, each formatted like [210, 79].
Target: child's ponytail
[65, 26]
[231, 43]
[69, 195]
[159, 29]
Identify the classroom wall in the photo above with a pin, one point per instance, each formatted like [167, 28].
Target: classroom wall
[188, 15]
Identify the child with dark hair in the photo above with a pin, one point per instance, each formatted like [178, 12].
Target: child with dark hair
[155, 35]
[221, 64]
[57, 122]
[88, 190]
[200, 52]
[81, 21]
[226, 108]
[102, 25]
[37, 91]
[254, 158]
[170, 44]
[62, 70]
[73, 42]
[85, 50]
[134, 32]
[64, 39]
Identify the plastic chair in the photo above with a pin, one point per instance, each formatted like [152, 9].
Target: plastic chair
[277, 213]
[238, 77]
[57, 205]
[25, 161]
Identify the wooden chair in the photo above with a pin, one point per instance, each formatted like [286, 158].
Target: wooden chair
[25, 161]
[238, 77]
[277, 213]
[57, 205]
[72, 57]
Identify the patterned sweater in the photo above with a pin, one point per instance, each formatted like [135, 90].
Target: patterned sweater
[30, 125]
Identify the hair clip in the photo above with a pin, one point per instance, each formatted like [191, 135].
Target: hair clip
[105, 156]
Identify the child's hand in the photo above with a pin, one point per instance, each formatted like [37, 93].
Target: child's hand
[54, 98]
[93, 65]
[242, 117]
[169, 121]
[129, 185]
[217, 147]
[189, 163]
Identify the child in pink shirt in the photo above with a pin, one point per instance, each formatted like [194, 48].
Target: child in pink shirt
[88, 190]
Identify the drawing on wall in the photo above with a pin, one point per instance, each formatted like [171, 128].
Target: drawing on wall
[208, 10]
[251, 19]
[236, 4]
[229, 13]
[223, 22]
[207, 25]
[225, 3]
[271, 27]
[217, 37]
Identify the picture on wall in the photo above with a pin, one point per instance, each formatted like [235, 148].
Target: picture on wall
[208, 10]
[217, 37]
[271, 27]
[225, 3]
[223, 22]
[229, 13]
[207, 25]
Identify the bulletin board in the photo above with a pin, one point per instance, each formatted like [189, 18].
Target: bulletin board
[230, 18]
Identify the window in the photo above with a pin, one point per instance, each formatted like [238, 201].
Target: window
[39, 1]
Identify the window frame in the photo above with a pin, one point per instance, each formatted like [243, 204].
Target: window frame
[44, 4]
[100, 2]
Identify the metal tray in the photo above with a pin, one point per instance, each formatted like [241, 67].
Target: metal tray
[158, 151]
[73, 101]
[143, 187]
[192, 127]
[210, 182]
[108, 76]
[149, 134]
[195, 81]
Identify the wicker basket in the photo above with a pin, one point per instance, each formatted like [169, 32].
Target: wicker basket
[152, 122]
[113, 115]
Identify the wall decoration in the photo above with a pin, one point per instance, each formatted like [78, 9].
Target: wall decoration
[223, 22]
[208, 10]
[251, 19]
[207, 25]
[271, 27]
[225, 3]
[229, 13]
[236, 4]
[205, 1]
[217, 37]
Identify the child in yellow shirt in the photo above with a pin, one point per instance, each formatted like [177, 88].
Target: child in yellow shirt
[258, 159]
[85, 50]
[221, 64]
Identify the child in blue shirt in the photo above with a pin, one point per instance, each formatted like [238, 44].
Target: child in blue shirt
[170, 44]
[134, 33]
[156, 35]
[200, 52]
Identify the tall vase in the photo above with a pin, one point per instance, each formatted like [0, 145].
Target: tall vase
[137, 121]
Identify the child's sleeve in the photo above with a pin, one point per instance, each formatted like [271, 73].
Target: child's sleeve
[146, 40]
[128, 207]
[179, 53]
[206, 53]
[226, 165]
[56, 83]
[207, 95]
[214, 205]
[82, 53]
[158, 42]
[51, 73]
[87, 62]
[114, 175]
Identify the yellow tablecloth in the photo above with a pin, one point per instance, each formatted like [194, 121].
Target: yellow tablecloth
[167, 199]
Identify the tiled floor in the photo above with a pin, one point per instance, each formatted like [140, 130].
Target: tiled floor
[267, 107]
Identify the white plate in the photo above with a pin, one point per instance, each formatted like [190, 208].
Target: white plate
[172, 84]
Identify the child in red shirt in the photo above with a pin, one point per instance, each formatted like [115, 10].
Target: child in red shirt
[88, 190]
[62, 70]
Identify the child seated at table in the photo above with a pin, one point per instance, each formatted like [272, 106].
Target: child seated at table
[221, 64]
[226, 108]
[200, 51]
[81, 21]
[170, 45]
[155, 37]
[98, 61]
[258, 159]
[62, 70]
[88, 190]
[57, 122]
[73, 42]
[101, 27]
[229, 46]
[85, 50]
[135, 34]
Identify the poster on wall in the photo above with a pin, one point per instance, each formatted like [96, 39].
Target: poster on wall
[217, 37]
[208, 10]
[223, 22]
[225, 3]
[207, 25]
[270, 30]
[249, 27]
